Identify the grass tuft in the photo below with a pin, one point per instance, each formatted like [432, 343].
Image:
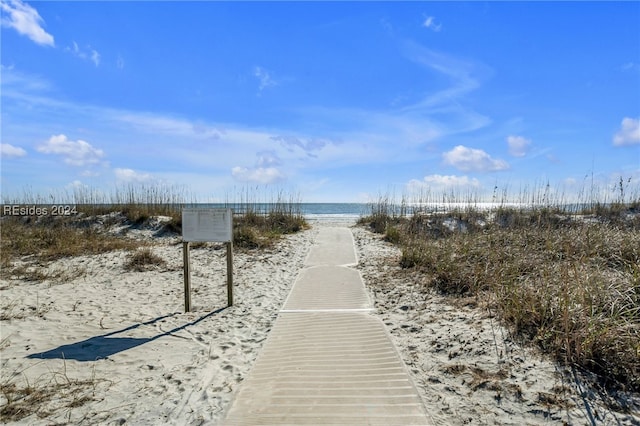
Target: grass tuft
[144, 260]
[49, 394]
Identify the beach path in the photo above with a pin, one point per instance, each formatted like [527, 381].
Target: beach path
[328, 360]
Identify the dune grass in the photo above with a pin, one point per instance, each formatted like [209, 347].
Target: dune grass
[87, 231]
[143, 260]
[53, 392]
[568, 282]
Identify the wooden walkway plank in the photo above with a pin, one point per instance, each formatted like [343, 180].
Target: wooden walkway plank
[327, 361]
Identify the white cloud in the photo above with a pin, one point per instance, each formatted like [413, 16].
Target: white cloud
[89, 55]
[309, 145]
[10, 151]
[264, 78]
[465, 77]
[268, 159]
[95, 57]
[76, 184]
[630, 66]
[629, 133]
[262, 175]
[75, 153]
[264, 172]
[430, 22]
[130, 175]
[470, 159]
[518, 145]
[439, 182]
[26, 20]
[91, 173]
[159, 124]
[23, 86]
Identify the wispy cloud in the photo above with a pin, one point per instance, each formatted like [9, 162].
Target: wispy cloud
[10, 151]
[470, 159]
[518, 145]
[629, 133]
[359, 136]
[265, 170]
[90, 54]
[261, 175]
[309, 145]
[437, 183]
[95, 57]
[264, 79]
[630, 66]
[156, 123]
[268, 159]
[430, 22]
[465, 76]
[132, 176]
[26, 20]
[77, 185]
[446, 105]
[75, 153]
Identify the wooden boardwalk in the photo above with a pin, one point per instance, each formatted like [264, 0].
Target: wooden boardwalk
[327, 360]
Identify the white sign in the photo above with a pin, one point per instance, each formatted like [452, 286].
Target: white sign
[207, 225]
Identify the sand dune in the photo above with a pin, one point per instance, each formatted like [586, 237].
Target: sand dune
[114, 347]
[465, 365]
[126, 333]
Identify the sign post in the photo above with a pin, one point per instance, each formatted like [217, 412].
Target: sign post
[187, 276]
[230, 273]
[207, 225]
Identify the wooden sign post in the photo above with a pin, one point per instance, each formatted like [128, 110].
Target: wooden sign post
[187, 276]
[207, 225]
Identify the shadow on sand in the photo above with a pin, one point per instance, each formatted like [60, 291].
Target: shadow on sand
[103, 346]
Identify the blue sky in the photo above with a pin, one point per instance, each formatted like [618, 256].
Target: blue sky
[334, 101]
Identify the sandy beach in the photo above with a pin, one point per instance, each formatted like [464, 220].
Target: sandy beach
[114, 347]
[126, 333]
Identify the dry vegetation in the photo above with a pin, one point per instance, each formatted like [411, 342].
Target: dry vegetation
[51, 392]
[253, 230]
[143, 260]
[566, 282]
[89, 229]
[30, 245]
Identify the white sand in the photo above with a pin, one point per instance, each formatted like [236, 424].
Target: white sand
[149, 363]
[187, 372]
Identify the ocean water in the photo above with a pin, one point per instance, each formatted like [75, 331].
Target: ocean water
[334, 211]
[351, 212]
[338, 212]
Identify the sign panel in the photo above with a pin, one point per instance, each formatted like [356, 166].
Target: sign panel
[207, 225]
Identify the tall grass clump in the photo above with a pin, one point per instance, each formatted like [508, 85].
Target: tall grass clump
[565, 277]
[137, 202]
[85, 230]
[259, 222]
[49, 394]
[384, 215]
[50, 239]
[88, 228]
